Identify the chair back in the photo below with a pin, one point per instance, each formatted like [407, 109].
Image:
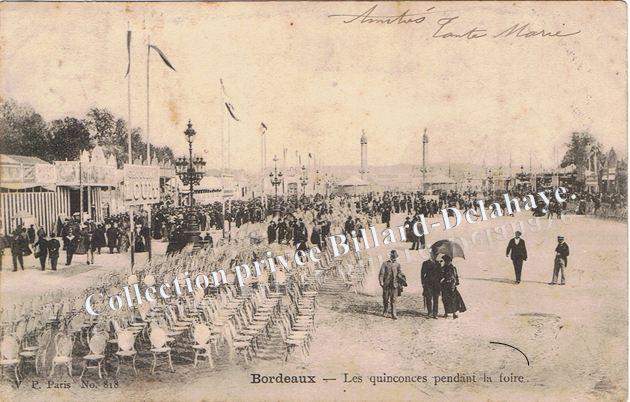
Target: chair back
[63, 345]
[125, 341]
[9, 348]
[44, 339]
[149, 280]
[158, 337]
[132, 280]
[20, 330]
[97, 343]
[201, 334]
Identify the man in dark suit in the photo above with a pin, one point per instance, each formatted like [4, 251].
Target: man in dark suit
[348, 226]
[388, 279]
[560, 261]
[386, 214]
[518, 252]
[431, 275]
[53, 251]
[72, 243]
[112, 238]
[17, 250]
[271, 232]
[42, 243]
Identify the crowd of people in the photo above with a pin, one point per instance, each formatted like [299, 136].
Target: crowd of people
[168, 222]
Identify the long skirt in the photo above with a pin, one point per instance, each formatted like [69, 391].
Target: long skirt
[453, 301]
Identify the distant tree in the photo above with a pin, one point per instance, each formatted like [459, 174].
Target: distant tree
[22, 130]
[579, 149]
[67, 138]
[111, 133]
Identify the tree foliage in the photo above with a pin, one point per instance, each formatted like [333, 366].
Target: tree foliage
[24, 132]
[579, 148]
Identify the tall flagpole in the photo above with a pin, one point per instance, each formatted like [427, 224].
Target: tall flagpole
[132, 226]
[228, 143]
[263, 162]
[148, 132]
[129, 96]
[222, 109]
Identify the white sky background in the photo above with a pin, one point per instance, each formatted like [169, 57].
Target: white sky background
[318, 82]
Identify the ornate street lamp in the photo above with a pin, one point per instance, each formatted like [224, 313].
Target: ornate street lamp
[490, 181]
[275, 176]
[190, 171]
[304, 180]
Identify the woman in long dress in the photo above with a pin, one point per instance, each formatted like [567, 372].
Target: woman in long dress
[124, 240]
[453, 302]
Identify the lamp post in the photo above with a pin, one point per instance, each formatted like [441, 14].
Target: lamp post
[490, 181]
[304, 180]
[190, 170]
[317, 182]
[275, 176]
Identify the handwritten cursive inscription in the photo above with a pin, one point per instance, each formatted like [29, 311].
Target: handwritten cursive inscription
[441, 32]
[366, 17]
[451, 26]
[524, 31]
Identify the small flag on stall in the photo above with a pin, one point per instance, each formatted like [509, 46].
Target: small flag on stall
[263, 128]
[163, 56]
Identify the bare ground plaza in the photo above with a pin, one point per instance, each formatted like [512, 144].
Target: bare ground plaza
[547, 323]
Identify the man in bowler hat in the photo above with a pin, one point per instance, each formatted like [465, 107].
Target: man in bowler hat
[560, 261]
[388, 279]
[518, 252]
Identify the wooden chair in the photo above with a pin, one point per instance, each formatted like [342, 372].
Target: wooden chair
[126, 348]
[39, 350]
[97, 346]
[158, 339]
[203, 338]
[63, 352]
[9, 356]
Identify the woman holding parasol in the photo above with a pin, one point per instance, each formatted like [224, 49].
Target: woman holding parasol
[451, 298]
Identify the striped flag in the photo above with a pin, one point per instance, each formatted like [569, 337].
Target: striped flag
[162, 56]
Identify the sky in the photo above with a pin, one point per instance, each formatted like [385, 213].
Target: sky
[317, 82]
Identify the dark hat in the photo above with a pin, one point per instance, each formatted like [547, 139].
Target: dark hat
[393, 254]
[560, 237]
[518, 233]
[447, 258]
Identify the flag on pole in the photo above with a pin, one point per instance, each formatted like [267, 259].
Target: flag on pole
[263, 128]
[163, 56]
[310, 156]
[228, 105]
[128, 53]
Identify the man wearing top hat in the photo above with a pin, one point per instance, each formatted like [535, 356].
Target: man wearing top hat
[560, 261]
[518, 252]
[388, 279]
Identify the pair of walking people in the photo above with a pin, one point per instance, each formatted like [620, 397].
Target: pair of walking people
[517, 252]
[439, 277]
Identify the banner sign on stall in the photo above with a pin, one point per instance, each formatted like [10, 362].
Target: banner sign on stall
[141, 184]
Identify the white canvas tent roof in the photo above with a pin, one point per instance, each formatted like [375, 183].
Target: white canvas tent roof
[353, 181]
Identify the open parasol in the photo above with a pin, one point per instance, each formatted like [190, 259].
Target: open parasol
[449, 248]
